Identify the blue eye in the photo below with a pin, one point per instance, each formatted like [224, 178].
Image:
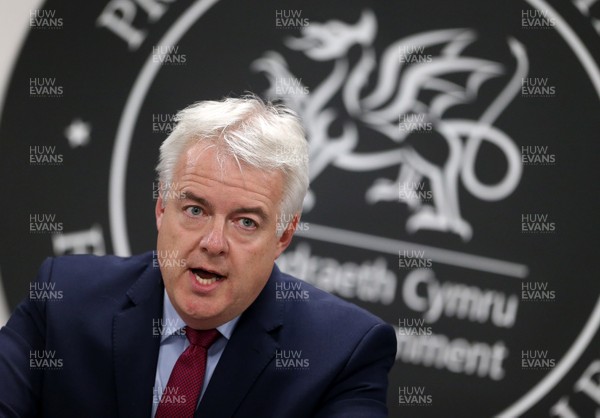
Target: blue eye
[194, 210]
[247, 223]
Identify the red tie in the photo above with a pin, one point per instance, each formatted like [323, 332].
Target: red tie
[180, 396]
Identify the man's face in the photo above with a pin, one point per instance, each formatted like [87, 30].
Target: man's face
[217, 238]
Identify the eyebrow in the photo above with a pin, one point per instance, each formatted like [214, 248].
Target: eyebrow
[257, 210]
[191, 196]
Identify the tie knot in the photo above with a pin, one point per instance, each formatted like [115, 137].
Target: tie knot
[203, 338]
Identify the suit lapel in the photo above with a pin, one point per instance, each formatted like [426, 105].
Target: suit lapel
[135, 347]
[252, 346]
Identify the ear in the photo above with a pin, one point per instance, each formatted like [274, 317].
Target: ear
[159, 211]
[286, 237]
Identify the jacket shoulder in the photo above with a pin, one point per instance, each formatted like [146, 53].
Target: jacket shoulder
[97, 277]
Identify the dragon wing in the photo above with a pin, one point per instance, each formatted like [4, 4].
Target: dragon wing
[401, 82]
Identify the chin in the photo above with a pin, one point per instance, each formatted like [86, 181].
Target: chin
[206, 313]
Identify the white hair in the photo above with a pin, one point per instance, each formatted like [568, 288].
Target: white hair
[257, 133]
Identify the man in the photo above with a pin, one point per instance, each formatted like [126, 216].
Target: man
[204, 326]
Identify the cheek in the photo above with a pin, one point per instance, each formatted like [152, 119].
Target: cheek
[254, 266]
[264, 247]
[172, 234]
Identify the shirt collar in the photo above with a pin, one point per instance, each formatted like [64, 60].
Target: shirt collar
[170, 316]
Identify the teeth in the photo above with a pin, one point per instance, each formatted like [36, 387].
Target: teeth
[206, 281]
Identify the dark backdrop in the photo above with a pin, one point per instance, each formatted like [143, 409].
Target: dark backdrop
[453, 168]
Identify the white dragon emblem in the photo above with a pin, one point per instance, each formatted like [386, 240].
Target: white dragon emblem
[393, 95]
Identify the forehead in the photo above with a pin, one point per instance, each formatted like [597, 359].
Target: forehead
[205, 166]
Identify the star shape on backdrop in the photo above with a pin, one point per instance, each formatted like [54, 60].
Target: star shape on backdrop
[78, 133]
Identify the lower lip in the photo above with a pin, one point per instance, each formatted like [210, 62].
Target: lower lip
[203, 288]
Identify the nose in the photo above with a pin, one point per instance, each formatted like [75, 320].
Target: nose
[213, 240]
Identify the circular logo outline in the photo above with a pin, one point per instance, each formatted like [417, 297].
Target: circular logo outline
[117, 219]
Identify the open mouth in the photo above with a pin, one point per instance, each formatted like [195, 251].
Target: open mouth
[206, 277]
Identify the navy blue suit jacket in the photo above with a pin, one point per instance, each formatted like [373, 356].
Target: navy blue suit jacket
[100, 326]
